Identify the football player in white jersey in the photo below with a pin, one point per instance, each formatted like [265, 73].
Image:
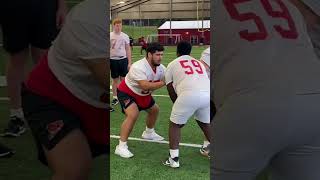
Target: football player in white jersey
[134, 94]
[187, 82]
[120, 56]
[267, 92]
[205, 60]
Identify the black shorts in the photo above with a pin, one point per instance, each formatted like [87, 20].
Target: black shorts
[50, 122]
[119, 68]
[24, 23]
[126, 100]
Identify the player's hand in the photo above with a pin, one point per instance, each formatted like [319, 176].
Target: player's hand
[163, 83]
[129, 66]
[61, 15]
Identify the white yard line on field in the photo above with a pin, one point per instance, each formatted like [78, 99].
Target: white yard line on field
[4, 99]
[160, 142]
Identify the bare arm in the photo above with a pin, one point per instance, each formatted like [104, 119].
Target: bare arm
[172, 93]
[61, 13]
[100, 69]
[150, 86]
[128, 52]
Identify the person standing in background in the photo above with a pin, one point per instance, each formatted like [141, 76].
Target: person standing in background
[28, 28]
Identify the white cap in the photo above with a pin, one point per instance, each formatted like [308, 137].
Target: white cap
[205, 56]
[314, 5]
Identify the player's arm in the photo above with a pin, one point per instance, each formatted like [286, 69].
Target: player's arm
[61, 13]
[128, 53]
[172, 93]
[99, 68]
[150, 86]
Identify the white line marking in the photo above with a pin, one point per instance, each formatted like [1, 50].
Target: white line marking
[160, 142]
[4, 99]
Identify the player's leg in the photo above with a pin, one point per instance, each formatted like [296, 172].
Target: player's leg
[132, 113]
[182, 110]
[123, 70]
[114, 67]
[131, 110]
[202, 117]
[16, 44]
[44, 29]
[70, 158]
[61, 143]
[151, 119]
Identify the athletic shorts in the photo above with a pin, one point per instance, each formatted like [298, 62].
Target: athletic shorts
[143, 102]
[30, 22]
[119, 68]
[252, 132]
[184, 107]
[52, 112]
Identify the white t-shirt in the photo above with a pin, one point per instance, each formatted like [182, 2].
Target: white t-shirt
[141, 70]
[187, 74]
[205, 56]
[83, 37]
[118, 44]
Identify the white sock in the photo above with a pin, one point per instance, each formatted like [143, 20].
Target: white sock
[149, 130]
[115, 97]
[122, 144]
[174, 153]
[206, 143]
[17, 112]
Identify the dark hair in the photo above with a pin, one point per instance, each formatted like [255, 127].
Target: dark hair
[184, 48]
[153, 47]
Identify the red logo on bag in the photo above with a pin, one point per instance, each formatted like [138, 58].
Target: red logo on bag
[54, 127]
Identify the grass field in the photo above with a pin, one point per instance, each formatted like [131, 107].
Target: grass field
[137, 32]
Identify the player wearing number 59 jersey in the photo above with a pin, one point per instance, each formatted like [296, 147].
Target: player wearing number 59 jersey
[134, 94]
[189, 89]
[267, 92]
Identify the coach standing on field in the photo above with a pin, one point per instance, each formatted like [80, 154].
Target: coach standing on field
[120, 56]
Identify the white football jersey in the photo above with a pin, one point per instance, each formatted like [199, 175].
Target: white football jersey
[262, 46]
[141, 70]
[205, 56]
[187, 74]
[118, 44]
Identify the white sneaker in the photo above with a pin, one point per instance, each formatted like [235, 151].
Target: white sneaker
[172, 162]
[123, 152]
[152, 136]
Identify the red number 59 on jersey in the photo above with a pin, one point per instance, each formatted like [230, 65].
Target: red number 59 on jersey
[289, 32]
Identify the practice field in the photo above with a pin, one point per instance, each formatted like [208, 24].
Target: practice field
[147, 162]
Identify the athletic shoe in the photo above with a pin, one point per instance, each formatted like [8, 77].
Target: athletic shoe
[114, 102]
[172, 162]
[123, 152]
[152, 136]
[111, 109]
[205, 150]
[16, 127]
[5, 151]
